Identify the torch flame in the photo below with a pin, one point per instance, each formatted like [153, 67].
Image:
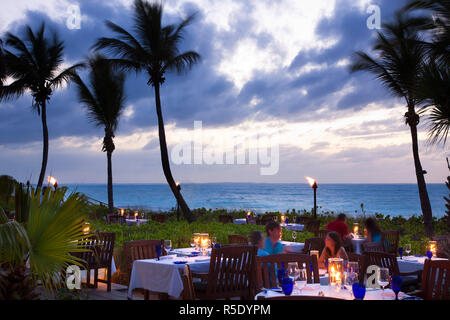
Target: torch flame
[311, 181]
[52, 180]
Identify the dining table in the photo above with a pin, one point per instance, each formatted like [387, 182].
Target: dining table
[293, 226]
[134, 221]
[413, 263]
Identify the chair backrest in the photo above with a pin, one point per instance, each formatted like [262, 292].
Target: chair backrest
[390, 240]
[140, 250]
[298, 298]
[237, 239]
[267, 277]
[115, 218]
[313, 226]
[304, 220]
[443, 246]
[159, 217]
[188, 284]
[232, 272]
[313, 244]
[373, 247]
[101, 250]
[225, 218]
[436, 280]
[383, 260]
[322, 233]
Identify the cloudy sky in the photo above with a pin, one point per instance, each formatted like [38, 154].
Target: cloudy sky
[269, 69]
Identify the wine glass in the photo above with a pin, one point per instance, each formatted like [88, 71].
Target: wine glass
[294, 235]
[353, 267]
[301, 278]
[213, 242]
[192, 243]
[293, 270]
[408, 249]
[350, 278]
[400, 252]
[168, 245]
[396, 285]
[158, 250]
[383, 277]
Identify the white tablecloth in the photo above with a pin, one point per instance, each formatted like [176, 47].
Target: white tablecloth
[240, 221]
[314, 289]
[412, 263]
[293, 226]
[295, 247]
[164, 276]
[138, 222]
[357, 244]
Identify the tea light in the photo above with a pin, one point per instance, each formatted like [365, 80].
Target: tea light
[356, 229]
[122, 211]
[283, 218]
[249, 214]
[136, 215]
[335, 270]
[197, 241]
[204, 242]
[86, 228]
[432, 246]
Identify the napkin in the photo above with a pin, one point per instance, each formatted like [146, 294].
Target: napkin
[390, 293]
[166, 257]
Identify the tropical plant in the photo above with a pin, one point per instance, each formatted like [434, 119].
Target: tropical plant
[7, 184]
[17, 285]
[447, 200]
[154, 50]
[34, 65]
[105, 102]
[397, 66]
[53, 230]
[2, 64]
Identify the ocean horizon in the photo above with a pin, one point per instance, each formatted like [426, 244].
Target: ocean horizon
[389, 199]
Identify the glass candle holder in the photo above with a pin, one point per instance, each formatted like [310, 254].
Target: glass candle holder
[283, 218]
[356, 229]
[335, 271]
[204, 242]
[432, 246]
[197, 241]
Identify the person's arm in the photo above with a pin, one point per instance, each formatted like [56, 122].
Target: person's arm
[322, 259]
[369, 236]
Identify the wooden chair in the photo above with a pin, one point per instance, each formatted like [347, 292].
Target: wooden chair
[313, 244]
[225, 218]
[390, 240]
[161, 218]
[323, 233]
[372, 247]
[295, 298]
[99, 256]
[188, 285]
[266, 276]
[231, 273]
[435, 280]
[237, 239]
[141, 250]
[388, 260]
[303, 220]
[313, 226]
[266, 218]
[115, 218]
[443, 246]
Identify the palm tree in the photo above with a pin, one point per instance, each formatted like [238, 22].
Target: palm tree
[397, 66]
[439, 24]
[155, 51]
[2, 64]
[105, 102]
[34, 65]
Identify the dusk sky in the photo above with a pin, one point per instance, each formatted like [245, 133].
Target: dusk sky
[269, 68]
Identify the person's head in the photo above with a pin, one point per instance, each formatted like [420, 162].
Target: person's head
[341, 217]
[257, 239]
[273, 230]
[333, 240]
[371, 226]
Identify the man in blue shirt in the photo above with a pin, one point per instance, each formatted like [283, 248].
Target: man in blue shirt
[272, 244]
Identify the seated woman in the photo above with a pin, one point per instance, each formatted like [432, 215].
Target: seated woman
[333, 249]
[257, 239]
[272, 244]
[373, 231]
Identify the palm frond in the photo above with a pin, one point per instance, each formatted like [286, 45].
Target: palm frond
[183, 61]
[14, 242]
[67, 75]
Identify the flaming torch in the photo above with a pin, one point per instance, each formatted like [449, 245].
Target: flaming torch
[313, 183]
[53, 182]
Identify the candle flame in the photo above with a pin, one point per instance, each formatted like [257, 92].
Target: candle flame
[311, 181]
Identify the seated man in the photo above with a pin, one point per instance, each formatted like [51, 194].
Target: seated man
[340, 227]
[257, 239]
[272, 243]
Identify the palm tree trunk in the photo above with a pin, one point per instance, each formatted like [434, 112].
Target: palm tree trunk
[110, 183]
[423, 193]
[165, 160]
[45, 147]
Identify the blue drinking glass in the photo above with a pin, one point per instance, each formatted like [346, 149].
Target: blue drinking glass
[396, 285]
[400, 252]
[158, 250]
[359, 290]
[429, 254]
[281, 274]
[217, 246]
[287, 220]
[287, 285]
